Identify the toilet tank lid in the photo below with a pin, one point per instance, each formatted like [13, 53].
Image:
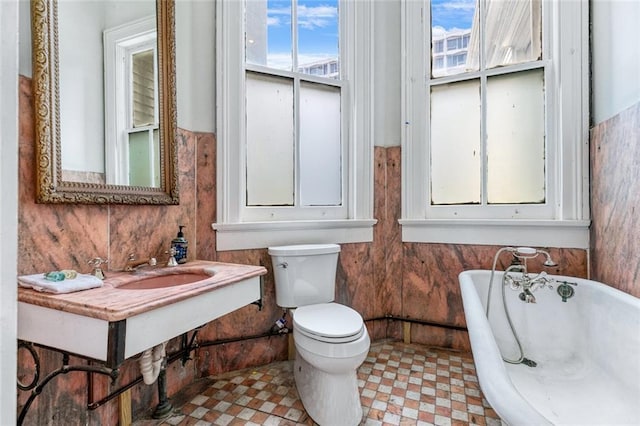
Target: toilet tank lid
[304, 249]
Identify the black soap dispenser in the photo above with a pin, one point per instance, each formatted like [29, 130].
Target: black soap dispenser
[179, 244]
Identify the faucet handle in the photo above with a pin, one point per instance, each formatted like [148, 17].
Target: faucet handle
[97, 263]
[172, 257]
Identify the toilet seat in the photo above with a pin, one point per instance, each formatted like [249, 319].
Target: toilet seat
[329, 322]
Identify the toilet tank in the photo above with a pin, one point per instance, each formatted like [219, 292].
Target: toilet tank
[304, 274]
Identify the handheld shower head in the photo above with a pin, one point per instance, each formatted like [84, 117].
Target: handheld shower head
[548, 261]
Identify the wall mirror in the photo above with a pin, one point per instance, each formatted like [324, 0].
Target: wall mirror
[104, 101]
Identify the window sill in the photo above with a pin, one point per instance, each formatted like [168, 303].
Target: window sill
[254, 235]
[545, 233]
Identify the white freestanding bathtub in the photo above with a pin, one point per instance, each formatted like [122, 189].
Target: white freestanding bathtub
[587, 351]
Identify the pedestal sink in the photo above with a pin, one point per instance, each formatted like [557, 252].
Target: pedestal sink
[112, 323]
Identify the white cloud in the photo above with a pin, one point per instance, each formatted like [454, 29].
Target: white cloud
[317, 17]
[273, 21]
[308, 17]
[282, 61]
[460, 5]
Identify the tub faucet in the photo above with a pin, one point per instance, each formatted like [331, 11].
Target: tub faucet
[525, 283]
[527, 297]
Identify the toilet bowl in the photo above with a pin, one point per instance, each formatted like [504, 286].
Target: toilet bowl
[331, 339]
[331, 343]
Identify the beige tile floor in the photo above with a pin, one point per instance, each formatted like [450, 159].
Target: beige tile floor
[400, 384]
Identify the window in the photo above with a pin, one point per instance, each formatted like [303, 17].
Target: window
[454, 43]
[438, 46]
[456, 60]
[495, 143]
[294, 118]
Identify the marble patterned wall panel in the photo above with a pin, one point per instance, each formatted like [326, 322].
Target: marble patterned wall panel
[615, 201]
[440, 337]
[205, 196]
[387, 244]
[430, 286]
[354, 279]
[242, 354]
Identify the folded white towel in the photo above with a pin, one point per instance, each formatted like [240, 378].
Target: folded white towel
[40, 283]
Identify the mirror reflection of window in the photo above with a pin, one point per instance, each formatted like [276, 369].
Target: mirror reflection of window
[144, 150]
[133, 149]
[143, 88]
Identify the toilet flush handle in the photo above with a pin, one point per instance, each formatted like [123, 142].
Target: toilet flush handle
[283, 265]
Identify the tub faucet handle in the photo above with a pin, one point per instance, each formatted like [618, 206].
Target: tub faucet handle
[565, 291]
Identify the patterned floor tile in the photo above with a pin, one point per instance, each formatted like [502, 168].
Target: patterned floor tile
[400, 384]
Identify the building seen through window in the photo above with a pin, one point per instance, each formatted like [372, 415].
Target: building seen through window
[449, 48]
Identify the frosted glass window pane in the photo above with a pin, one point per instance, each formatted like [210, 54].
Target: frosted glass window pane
[318, 37]
[320, 146]
[268, 33]
[156, 158]
[270, 148]
[515, 138]
[140, 159]
[455, 143]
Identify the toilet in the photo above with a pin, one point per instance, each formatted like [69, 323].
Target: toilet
[331, 339]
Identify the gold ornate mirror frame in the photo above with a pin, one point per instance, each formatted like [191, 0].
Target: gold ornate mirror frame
[51, 188]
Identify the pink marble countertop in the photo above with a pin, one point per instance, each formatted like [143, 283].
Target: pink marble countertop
[113, 304]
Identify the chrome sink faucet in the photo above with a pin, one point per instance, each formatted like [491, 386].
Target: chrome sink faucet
[134, 264]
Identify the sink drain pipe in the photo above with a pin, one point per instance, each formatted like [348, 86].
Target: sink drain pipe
[151, 363]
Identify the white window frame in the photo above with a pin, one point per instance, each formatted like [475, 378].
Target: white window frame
[232, 231]
[564, 221]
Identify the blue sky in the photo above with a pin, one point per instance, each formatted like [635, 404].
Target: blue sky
[450, 14]
[318, 26]
[317, 29]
